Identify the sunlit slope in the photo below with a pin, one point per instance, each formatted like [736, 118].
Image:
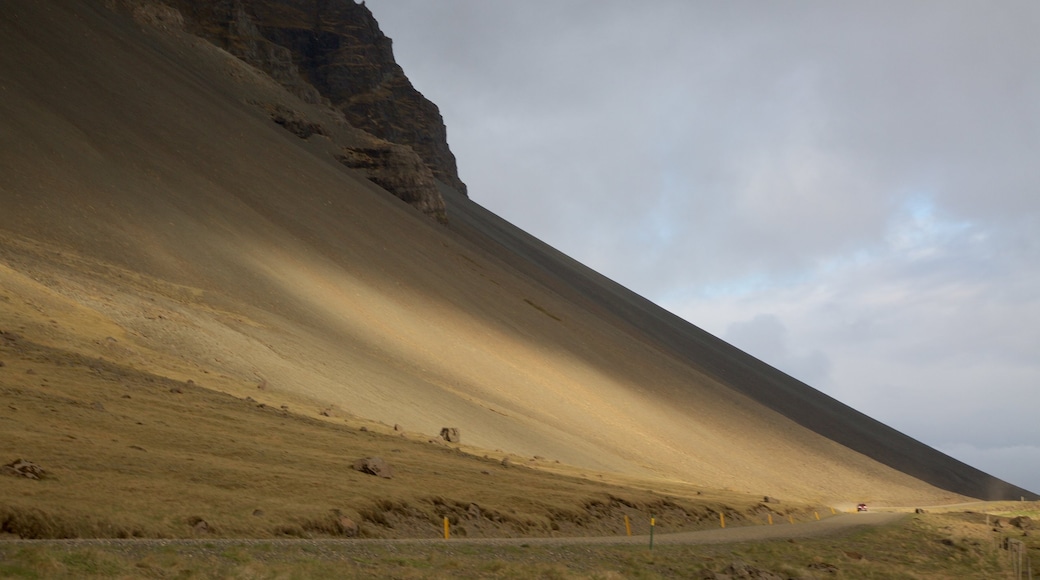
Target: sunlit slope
[147, 201]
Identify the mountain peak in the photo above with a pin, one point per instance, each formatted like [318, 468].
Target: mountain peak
[331, 52]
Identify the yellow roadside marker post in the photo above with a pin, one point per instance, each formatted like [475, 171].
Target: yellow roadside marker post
[628, 526]
[817, 514]
[722, 519]
[652, 524]
[790, 518]
[833, 512]
[770, 519]
[447, 528]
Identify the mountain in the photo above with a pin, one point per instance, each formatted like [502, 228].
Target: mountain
[171, 208]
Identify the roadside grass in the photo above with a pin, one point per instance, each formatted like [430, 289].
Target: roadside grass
[926, 546]
[1011, 509]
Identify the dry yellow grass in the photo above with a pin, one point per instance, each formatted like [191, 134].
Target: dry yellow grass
[130, 454]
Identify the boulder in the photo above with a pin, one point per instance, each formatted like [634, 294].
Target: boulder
[451, 434]
[346, 527]
[374, 466]
[23, 468]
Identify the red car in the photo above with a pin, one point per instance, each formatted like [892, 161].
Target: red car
[861, 507]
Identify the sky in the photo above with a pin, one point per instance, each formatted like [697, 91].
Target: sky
[847, 191]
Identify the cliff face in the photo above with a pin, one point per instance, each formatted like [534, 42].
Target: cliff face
[340, 50]
[330, 51]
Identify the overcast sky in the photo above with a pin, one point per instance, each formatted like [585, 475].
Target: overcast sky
[848, 191]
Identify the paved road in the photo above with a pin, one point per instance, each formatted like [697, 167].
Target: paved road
[834, 525]
[831, 526]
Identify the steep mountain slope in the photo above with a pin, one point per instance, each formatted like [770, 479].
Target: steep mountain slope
[154, 215]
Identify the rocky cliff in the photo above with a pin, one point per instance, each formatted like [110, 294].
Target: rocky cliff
[333, 52]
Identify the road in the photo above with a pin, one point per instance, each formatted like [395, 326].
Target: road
[831, 526]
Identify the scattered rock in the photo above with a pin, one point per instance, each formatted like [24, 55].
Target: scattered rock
[30, 372]
[920, 511]
[1022, 522]
[258, 512]
[23, 468]
[10, 336]
[451, 434]
[176, 390]
[346, 527]
[326, 413]
[854, 555]
[97, 406]
[363, 428]
[374, 466]
[821, 566]
[2, 363]
[744, 571]
[473, 510]
[768, 499]
[398, 427]
[199, 525]
[126, 397]
[506, 462]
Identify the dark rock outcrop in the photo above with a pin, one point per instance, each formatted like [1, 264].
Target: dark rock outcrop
[23, 468]
[400, 171]
[330, 51]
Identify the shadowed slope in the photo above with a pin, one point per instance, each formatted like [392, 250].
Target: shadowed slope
[147, 200]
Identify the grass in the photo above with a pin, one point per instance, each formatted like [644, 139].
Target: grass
[129, 454]
[928, 546]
